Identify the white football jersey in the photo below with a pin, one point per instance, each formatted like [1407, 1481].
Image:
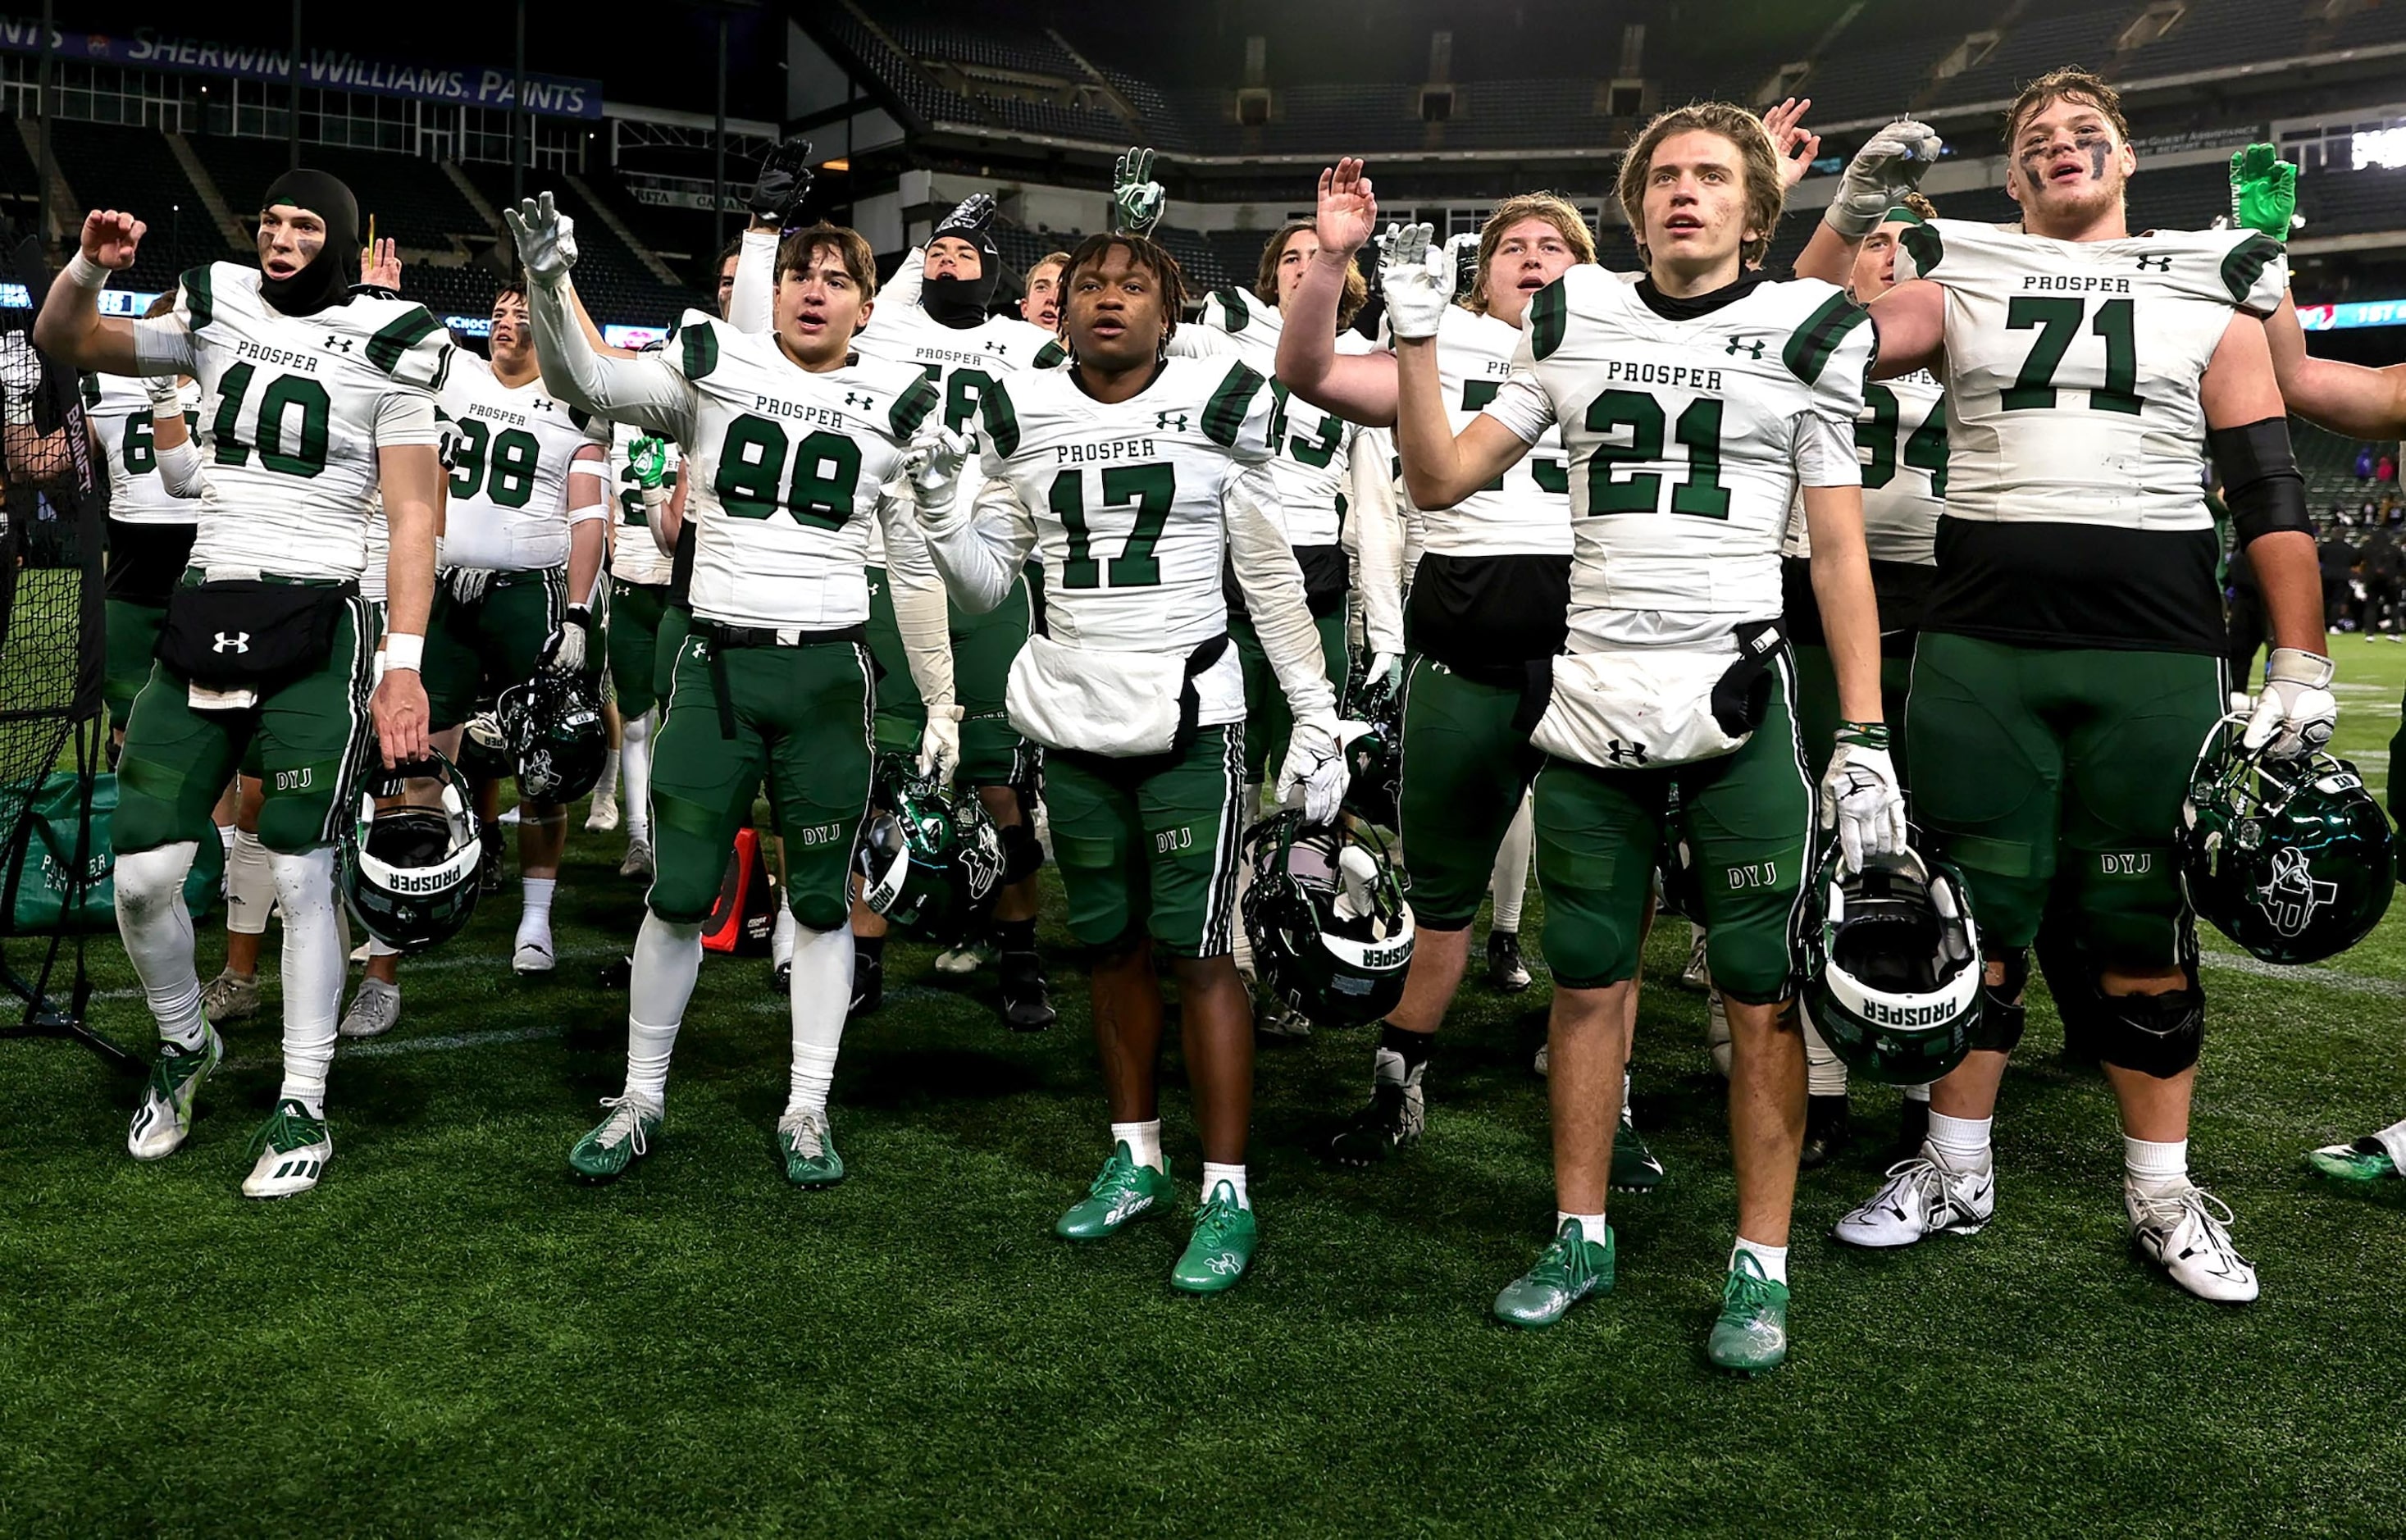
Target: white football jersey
[962, 364]
[1526, 511]
[1314, 463]
[636, 557]
[292, 412]
[508, 507]
[2076, 492]
[784, 470]
[1900, 439]
[118, 410]
[1688, 440]
[1125, 498]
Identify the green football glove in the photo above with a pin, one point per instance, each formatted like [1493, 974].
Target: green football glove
[1138, 201]
[2263, 191]
[648, 459]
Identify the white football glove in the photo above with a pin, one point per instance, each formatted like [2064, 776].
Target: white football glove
[1418, 282]
[1387, 669]
[1859, 795]
[1881, 173]
[1314, 771]
[933, 463]
[467, 584]
[563, 651]
[939, 746]
[1138, 201]
[1462, 251]
[2296, 711]
[546, 238]
[167, 395]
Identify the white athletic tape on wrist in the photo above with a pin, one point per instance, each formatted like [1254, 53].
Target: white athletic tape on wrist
[86, 274]
[402, 651]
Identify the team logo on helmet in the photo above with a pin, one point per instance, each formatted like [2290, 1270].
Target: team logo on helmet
[2291, 859]
[2293, 894]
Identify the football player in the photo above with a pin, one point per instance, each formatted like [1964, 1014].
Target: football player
[1041, 306]
[1137, 476]
[1692, 404]
[1903, 441]
[790, 438]
[644, 473]
[2070, 662]
[2362, 403]
[313, 400]
[934, 319]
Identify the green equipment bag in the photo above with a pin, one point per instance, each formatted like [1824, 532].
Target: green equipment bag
[40, 868]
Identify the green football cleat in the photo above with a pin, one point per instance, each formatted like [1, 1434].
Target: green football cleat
[2365, 1160]
[1634, 1167]
[1222, 1247]
[1751, 1334]
[1570, 1268]
[622, 1139]
[808, 1146]
[1120, 1191]
[291, 1149]
[164, 1119]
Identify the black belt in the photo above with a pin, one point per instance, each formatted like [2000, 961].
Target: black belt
[721, 637]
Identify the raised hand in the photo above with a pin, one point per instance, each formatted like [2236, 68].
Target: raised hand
[111, 237]
[1416, 279]
[782, 183]
[546, 238]
[380, 264]
[1348, 213]
[974, 212]
[2263, 191]
[1138, 201]
[1797, 148]
[1880, 176]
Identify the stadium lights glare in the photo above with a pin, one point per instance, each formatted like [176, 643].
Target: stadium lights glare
[2383, 148]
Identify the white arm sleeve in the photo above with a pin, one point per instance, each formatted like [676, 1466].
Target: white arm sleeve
[645, 390]
[1266, 570]
[1379, 560]
[903, 288]
[179, 468]
[918, 594]
[980, 555]
[162, 344]
[751, 303]
[585, 474]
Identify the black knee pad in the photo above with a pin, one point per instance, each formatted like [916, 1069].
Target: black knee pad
[1022, 857]
[2159, 1035]
[1116, 949]
[2002, 1011]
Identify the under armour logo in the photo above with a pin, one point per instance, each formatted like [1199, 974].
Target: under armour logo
[2293, 894]
[1000, 349]
[239, 641]
[854, 398]
[2149, 263]
[1168, 420]
[1624, 754]
[541, 405]
[1226, 1263]
[335, 343]
[1738, 343]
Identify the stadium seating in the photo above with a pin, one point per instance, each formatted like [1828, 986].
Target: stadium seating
[613, 280]
[1881, 60]
[2343, 203]
[132, 168]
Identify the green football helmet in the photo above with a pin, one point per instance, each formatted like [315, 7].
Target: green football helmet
[930, 861]
[408, 871]
[2290, 858]
[484, 753]
[1890, 961]
[557, 738]
[1331, 930]
[1374, 760]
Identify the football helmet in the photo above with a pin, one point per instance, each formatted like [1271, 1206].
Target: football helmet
[1374, 760]
[928, 861]
[557, 739]
[1332, 933]
[2290, 858]
[1890, 961]
[408, 871]
[485, 747]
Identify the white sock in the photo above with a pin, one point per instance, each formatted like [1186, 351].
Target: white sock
[1772, 1259]
[225, 838]
[1593, 1227]
[2393, 1140]
[667, 961]
[378, 949]
[314, 964]
[1144, 1140]
[157, 930]
[606, 788]
[1825, 1073]
[2154, 1169]
[250, 887]
[1918, 1093]
[1624, 1110]
[1510, 878]
[781, 936]
[1960, 1144]
[635, 765]
[1214, 1174]
[534, 915]
[820, 996]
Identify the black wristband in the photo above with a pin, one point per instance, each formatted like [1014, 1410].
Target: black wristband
[2260, 481]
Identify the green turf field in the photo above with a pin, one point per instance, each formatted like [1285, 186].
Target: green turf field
[451, 1336]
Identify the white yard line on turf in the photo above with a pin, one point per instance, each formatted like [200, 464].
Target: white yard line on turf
[434, 965]
[2327, 978]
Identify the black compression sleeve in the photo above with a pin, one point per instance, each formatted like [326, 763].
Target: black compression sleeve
[2260, 478]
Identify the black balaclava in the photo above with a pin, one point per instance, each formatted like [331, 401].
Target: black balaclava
[326, 281]
[961, 303]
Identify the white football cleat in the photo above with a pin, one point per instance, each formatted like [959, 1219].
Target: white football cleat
[1717, 1030]
[639, 861]
[604, 815]
[534, 953]
[164, 1119]
[2187, 1234]
[375, 1010]
[293, 1149]
[1697, 975]
[1921, 1198]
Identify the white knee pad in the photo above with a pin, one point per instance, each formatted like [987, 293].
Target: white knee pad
[250, 885]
